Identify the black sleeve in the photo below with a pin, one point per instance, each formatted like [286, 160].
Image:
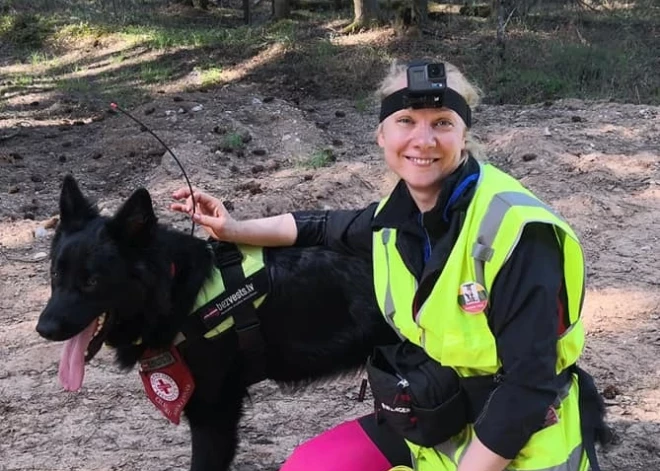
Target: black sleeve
[346, 231]
[527, 306]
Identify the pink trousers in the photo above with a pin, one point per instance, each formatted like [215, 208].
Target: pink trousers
[347, 447]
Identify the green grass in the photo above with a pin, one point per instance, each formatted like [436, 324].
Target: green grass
[233, 141]
[363, 102]
[118, 58]
[155, 73]
[283, 32]
[83, 30]
[319, 159]
[75, 86]
[166, 38]
[557, 54]
[23, 80]
[323, 49]
[25, 31]
[537, 70]
[37, 58]
[162, 38]
[210, 76]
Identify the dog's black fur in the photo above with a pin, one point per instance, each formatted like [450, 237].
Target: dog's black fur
[320, 318]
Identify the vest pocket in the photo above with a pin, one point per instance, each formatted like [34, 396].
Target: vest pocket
[415, 396]
[440, 423]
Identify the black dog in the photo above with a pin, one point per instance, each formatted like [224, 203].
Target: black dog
[319, 319]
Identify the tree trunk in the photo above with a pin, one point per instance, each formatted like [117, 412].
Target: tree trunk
[281, 9]
[420, 12]
[367, 13]
[502, 13]
[246, 12]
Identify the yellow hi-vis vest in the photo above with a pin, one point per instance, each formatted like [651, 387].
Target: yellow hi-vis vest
[452, 326]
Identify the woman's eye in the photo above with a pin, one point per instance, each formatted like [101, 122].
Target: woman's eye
[443, 123]
[404, 120]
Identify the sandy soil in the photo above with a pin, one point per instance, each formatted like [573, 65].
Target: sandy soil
[596, 163]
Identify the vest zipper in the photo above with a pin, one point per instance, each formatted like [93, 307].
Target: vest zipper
[427, 240]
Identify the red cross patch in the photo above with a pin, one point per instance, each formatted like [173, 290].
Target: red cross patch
[168, 386]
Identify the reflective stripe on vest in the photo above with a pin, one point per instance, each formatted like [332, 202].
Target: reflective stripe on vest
[573, 463]
[482, 251]
[388, 309]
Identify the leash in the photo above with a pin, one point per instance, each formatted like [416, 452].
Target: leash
[144, 127]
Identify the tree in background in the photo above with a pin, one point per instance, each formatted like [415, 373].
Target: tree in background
[366, 14]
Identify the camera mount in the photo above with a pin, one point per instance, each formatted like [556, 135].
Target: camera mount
[427, 88]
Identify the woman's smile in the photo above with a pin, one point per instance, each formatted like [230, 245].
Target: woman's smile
[420, 161]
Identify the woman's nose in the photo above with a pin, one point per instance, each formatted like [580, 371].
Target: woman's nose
[424, 136]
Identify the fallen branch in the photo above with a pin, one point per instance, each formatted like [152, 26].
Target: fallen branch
[9, 136]
[20, 127]
[20, 259]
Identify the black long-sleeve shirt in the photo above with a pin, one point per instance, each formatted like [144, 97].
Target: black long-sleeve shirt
[527, 308]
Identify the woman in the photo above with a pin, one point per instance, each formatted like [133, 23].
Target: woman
[469, 266]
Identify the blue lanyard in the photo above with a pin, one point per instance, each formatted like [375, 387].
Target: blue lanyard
[427, 240]
[458, 191]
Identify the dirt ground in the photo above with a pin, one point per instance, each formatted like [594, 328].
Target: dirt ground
[597, 163]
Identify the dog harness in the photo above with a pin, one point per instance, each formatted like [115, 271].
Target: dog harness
[229, 299]
[238, 285]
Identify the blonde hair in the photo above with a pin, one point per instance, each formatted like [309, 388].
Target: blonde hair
[455, 80]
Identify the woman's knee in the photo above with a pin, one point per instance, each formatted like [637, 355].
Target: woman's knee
[343, 448]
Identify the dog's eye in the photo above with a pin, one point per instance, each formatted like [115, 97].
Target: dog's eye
[91, 282]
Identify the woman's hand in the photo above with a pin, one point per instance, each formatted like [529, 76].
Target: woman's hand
[275, 231]
[209, 212]
[478, 457]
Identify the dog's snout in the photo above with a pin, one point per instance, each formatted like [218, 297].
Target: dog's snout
[48, 329]
[52, 326]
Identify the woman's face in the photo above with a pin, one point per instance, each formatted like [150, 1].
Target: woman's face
[422, 147]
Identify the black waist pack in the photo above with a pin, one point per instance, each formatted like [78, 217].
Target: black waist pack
[420, 399]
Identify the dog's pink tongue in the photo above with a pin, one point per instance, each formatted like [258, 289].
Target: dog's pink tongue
[72, 363]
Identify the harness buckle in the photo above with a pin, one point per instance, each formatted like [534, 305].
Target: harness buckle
[226, 253]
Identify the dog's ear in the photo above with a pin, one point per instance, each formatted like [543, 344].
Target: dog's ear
[75, 209]
[135, 222]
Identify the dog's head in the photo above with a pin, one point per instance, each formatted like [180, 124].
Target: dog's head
[95, 275]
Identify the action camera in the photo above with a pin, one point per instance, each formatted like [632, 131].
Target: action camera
[427, 79]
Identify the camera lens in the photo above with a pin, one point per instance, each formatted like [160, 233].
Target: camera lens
[434, 70]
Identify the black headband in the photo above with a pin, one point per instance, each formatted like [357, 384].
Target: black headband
[448, 98]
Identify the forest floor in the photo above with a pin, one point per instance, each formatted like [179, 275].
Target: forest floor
[264, 152]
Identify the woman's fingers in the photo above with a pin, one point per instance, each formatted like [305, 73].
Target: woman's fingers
[199, 197]
[182, 193]
[200, 208]
[179, 208]
[209, 222]
[208, 213]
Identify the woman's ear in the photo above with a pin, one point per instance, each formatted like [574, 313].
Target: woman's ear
[379, 136]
